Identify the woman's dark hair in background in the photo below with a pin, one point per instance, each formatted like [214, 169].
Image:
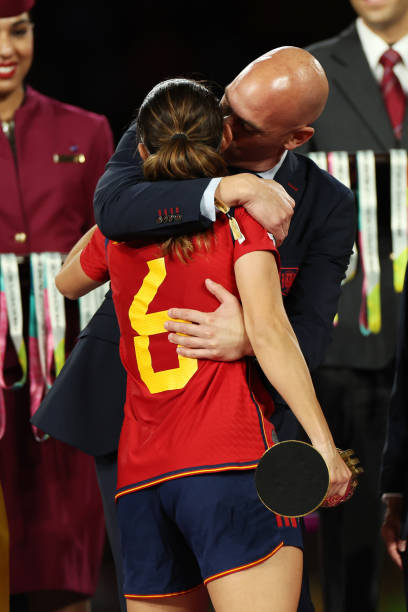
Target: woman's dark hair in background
[181, 125]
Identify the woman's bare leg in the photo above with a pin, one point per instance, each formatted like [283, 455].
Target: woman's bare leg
[195, 601]
[272, 586]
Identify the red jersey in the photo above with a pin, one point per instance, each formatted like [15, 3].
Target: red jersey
[182, 416]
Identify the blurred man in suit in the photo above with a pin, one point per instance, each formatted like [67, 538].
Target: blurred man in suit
[367, 68]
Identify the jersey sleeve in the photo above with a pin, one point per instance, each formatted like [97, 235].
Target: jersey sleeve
[256, 237]
[93, 258]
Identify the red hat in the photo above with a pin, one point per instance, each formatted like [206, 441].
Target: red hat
[11, 8]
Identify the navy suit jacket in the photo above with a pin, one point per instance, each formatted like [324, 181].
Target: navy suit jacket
[314, 257]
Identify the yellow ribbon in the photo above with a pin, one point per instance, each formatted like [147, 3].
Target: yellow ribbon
[233, 223]
[399, 265]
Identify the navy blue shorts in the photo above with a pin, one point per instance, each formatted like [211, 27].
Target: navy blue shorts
[185, 532]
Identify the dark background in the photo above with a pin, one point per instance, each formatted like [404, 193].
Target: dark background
[105, 55]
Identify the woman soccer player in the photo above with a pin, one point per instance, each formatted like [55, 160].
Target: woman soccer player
[191, 522]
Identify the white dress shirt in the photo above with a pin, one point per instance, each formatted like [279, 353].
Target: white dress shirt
[207, 206]
[374, 46]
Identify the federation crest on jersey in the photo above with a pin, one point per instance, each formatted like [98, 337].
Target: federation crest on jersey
[287, 275]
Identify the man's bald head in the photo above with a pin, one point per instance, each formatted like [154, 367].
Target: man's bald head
[280, 93]
[287, 82]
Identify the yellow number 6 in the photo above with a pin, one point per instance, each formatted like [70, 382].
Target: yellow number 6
[149, 324]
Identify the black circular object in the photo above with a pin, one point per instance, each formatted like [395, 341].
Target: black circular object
[292, 478]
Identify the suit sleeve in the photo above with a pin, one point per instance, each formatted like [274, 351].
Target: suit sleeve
[101, 150]
[128, 207]
[394, 469]
[313, 299]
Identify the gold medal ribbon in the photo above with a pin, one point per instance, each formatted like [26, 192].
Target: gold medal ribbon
[370, 312]
[233, 223]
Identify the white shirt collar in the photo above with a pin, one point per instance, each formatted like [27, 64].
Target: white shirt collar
[374, 46]
[270, 174]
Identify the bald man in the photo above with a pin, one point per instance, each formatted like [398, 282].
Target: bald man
[269, 107]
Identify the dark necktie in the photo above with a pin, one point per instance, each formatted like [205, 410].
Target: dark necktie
[393, 94]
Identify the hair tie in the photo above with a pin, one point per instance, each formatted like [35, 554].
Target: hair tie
[179, 136]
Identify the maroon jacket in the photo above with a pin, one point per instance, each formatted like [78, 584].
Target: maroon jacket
[46, 205]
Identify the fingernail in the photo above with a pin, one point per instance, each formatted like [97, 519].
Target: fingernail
[166, 324]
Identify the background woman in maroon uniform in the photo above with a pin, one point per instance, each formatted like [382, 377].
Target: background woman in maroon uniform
[52, 500]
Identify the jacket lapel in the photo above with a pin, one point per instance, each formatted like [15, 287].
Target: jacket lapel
[291, 175]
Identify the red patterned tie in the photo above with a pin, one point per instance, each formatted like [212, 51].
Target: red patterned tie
[393, 94]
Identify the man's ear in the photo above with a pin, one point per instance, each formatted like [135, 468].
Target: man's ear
[299, 137]
[226, 137]
[143, 152]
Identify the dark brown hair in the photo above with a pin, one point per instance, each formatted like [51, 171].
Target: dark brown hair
[181, 125]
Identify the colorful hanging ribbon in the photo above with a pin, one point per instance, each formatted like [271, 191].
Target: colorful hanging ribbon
[370, 311]
[338, 166]
[46, 328]
[399, 221]
[89, 304]
[11, 317]
[36, 338]
[55, 309]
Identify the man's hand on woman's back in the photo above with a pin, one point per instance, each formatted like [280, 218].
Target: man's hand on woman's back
[218, 335]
